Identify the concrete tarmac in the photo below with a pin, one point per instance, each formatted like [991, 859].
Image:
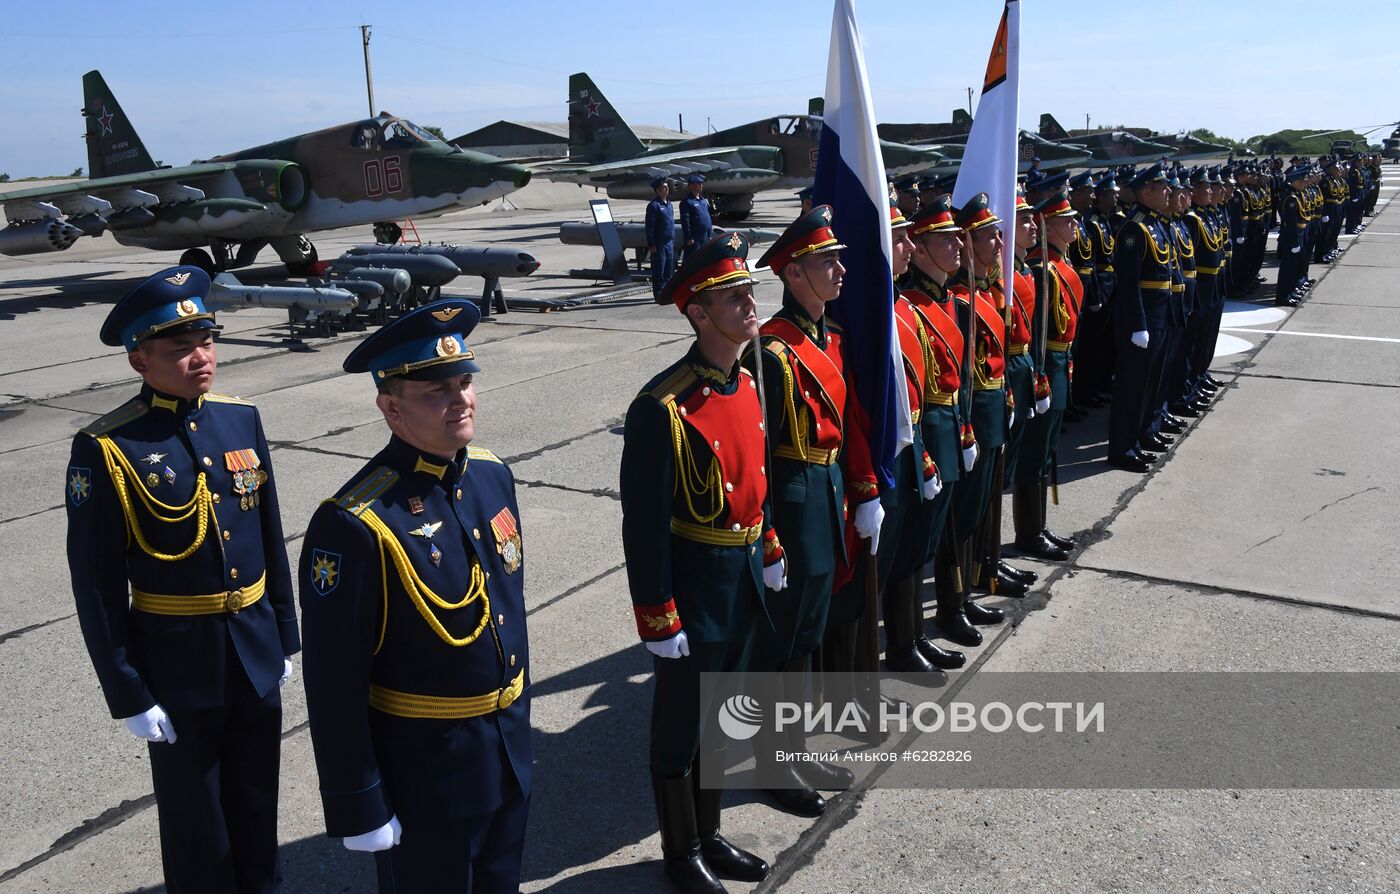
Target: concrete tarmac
[1263, 543]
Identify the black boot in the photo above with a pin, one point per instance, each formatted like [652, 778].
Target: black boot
[1024, 575]
[936, 655]
[981, 614]
[721, 856]
[1027, 507]
[902, 655]
[1065, 543]
[815, 774]
[950, 621]
[680, 836]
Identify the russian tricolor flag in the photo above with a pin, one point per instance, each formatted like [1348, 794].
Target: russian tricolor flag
[851, 178]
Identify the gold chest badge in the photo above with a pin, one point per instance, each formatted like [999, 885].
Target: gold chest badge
[245, 468]
[507, 532]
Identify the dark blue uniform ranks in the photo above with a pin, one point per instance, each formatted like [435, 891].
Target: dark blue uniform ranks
[417, 662]
[185, 599]
[661, 239]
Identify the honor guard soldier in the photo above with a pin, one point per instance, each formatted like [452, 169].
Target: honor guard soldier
[821, 463]
[906, 527]
[938, 248]
[417, 661]
[1094, 363]
[1292, 225]
[661, 236]
[1093, 323]
[695, 217]
[700, 549]
[988, 408]
[1058, 306]
[1210, 233]
[1334, 199]
[1144, 261]
[1187, 309]
[183, 591]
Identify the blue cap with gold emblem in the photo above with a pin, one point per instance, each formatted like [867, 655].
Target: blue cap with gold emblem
[428, 342]
[1151, 174]
[1082, 180]
[169, 303]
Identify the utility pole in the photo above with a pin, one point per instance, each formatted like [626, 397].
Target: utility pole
[680, 122]
[369, 81]
[1086, 120]
[969, 100]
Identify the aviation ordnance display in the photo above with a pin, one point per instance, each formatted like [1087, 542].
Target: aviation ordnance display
[379, 169]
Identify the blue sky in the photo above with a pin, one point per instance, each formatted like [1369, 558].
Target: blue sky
[197, 84]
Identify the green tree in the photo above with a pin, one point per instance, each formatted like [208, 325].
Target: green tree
[437, 132]
[4, 178]
[77, 172]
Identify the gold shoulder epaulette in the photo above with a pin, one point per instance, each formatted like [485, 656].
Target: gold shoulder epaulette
[227, 399]
[482, 454]
[672, 386]
[364, 492]
[132, 409]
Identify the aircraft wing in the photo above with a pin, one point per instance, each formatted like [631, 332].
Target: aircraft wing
[102, 195]
[665, 164]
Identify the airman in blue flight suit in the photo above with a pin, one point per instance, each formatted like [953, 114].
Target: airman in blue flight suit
[417, 662]
[183, 591]
[695, 217]
[661, 237]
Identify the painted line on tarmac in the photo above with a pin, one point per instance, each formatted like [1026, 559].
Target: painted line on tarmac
[1313, 334]
[1251, 375]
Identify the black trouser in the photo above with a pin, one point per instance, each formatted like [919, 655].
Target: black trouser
[1093, 345]
[216, 792]
[463, 855]
[681, 705]
[1289, 271]
[1137, 368]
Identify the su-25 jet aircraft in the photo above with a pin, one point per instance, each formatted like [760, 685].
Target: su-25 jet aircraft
[380, 170]
[951, 139]
[775, 153]
[1120, 147]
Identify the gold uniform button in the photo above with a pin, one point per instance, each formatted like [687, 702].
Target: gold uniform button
[705, 391]
[227, 535]
[728, 487]
[736, 527]
[716, 445]
[194, 426]
[752, 550]
[233, 573]
[459, 493]
[682, 411]
[214, 497]
[207, 461]
[806, 394]
[476, 533]
[500, 619]
[512, 661]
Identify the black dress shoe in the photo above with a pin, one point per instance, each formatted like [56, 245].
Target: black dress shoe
[1156, 442]
[826, 777]
[727, 861]
[1128, 462]
[958, 629]
[1186, 410]
[983, 615]
[1200, 405]
[1173, 426]
[1024, 575]
[939, 657]
[1214, 381]
[1013, 587]
[908, 660]
[1146, 457]
[1206, 386]
[1040, 548]
[692, 875]
[1062, 542]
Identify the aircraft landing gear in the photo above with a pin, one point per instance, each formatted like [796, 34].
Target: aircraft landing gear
[297, 253]
[387, 232]
[198, 257]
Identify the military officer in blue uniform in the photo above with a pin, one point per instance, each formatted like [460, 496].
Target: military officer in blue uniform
[661, 236]
[1145, 264]
[701, 551]
[695, 217]
[417, 661]
[1292, 225]
[183, 590]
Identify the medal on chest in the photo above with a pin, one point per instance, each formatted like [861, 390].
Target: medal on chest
[244, 467]
[507, 533]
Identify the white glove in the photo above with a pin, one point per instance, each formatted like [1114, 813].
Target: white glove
[1239, 240]
[381, 839]
[1326, 219]
[1140, 338]
[869, 516]
[677, 646]
[775, 575]
[1042, 405]
[1294, 249]
[1011, 418]
[969, 456]
[286, 672]
[153, 725]
[933, 486]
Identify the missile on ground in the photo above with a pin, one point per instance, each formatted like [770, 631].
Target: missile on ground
[228, 293]
[425, 270]
[35, 236]
[472, 260]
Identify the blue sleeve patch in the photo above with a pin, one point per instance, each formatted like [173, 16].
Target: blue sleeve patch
[79, 485]
[325, 571]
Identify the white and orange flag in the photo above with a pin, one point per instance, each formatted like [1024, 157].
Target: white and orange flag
[989, 164]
